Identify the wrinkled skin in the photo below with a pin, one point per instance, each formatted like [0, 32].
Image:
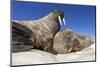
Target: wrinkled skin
[67, 41]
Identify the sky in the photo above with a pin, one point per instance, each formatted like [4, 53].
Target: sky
[81, 19]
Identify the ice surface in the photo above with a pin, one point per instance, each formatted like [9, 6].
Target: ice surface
[41, 57]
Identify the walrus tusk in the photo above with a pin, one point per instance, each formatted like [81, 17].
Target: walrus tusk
[60, 20]
[70, 50]
[64, 21]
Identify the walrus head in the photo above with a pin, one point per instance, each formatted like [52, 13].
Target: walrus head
[68, 41]
[52, 21]
[85, 41]
[58, 16]
[78, 42]
[58, 13]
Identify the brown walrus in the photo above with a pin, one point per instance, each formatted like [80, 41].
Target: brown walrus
[44, 30]
[67, 41]
[48, 37]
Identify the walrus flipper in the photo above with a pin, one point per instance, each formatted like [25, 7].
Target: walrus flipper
[21, 30]
[22, 38]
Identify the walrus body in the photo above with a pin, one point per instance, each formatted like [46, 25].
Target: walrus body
[45, 34]
[67, 41]
[22, 38]
[44, 30]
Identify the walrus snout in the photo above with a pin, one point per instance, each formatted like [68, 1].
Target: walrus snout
[59, 13]
[60, 17]
[78, 42]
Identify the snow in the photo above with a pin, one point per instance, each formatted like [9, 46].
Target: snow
[40, 57]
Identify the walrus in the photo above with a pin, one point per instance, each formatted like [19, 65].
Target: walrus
[22, 38]
[67, 41]
[44, 30]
